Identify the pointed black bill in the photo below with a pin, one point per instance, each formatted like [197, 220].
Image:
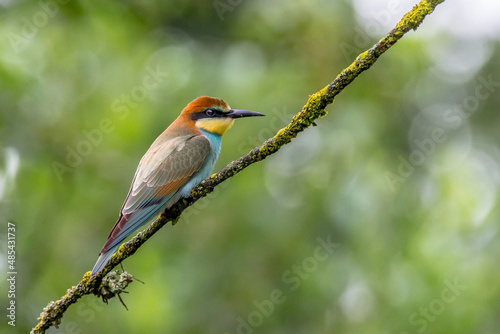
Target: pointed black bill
[238, 113]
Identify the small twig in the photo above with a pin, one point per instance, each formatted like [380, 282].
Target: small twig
[121, 300]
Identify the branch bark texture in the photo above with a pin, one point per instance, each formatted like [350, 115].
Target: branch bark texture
[314, 108]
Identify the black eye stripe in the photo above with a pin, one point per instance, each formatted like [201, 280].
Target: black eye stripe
[206, 113]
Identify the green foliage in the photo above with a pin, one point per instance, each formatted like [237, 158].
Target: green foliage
[401, 177]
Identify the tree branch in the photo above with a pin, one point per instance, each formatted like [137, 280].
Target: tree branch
[115, 283]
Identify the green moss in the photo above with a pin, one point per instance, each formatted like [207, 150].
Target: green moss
[414, 18]
[86, 277]
[122, 250]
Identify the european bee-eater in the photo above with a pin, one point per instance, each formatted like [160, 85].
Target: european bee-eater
[181, 157]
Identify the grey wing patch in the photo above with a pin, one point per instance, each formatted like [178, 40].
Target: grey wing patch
[154, 158]
[166, 169]
[187, 161]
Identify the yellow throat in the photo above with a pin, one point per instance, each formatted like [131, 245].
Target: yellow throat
[215, 125]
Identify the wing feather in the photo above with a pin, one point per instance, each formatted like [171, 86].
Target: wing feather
[161, 167]
[163, 170]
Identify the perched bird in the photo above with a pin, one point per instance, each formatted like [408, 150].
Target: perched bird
[182, 156]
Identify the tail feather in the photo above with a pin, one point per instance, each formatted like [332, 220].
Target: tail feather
[102, 260]
[124, 227]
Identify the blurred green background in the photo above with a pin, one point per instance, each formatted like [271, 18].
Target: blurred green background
[401, 179]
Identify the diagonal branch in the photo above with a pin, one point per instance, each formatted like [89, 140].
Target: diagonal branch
[314, 108]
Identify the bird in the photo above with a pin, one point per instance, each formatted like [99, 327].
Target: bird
[180, 158]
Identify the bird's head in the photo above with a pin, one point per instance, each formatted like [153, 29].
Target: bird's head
[214, 115]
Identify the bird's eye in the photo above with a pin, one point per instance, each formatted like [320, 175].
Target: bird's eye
[210, 112]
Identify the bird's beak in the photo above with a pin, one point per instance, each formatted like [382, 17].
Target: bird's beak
[237, 113]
